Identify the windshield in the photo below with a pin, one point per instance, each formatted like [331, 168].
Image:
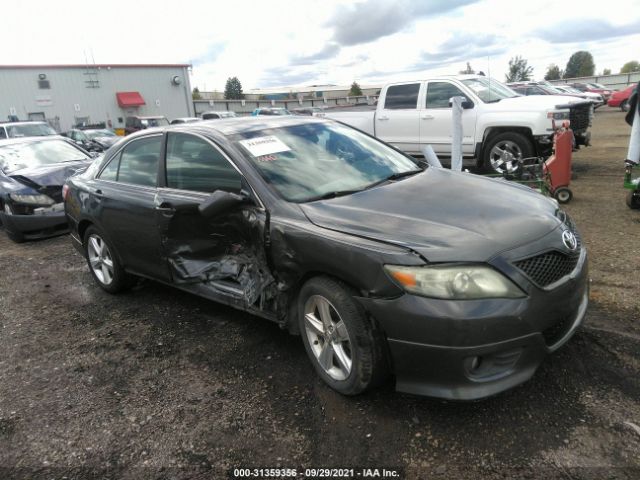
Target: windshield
[310, 161]
[99, 133]
[489, 90]
[154, 122]
[17, 156]
[30, 130]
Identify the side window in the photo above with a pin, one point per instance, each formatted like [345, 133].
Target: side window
[439, 93]
[110, 172]
[402, 96]
[193, 164]
[3, 133]
[139, 161]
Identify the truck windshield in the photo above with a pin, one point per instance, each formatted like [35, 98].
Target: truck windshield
[309, 161]
[489, 90]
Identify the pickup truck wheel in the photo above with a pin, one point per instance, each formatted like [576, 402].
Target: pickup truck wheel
[624, 106]
[338, 337]
[505, 151]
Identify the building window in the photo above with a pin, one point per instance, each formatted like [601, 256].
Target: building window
[44, 84]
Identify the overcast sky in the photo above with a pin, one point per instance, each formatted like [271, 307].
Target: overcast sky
[302, 42]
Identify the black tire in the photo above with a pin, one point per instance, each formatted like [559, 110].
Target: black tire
[633, 199]
[120, 280]
[16, 237]
[517, 145]
[624, 106]
[366, 346]
[563, 195]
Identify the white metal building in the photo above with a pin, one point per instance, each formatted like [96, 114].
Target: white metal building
[68, 95]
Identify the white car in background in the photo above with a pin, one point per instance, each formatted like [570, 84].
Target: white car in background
[25, 129]
[596, 98]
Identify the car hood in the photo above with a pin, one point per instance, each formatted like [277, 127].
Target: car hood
[443, 215]
[534, 103]
[106, 141]
[43, 176]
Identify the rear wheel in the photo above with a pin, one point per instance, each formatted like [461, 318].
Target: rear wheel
[504, 152]
[103, 264]
[624, 106]
[339, 339]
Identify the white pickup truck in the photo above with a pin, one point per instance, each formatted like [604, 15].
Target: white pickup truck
[499, 126]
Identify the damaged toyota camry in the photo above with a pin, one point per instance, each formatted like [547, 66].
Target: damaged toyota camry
[456, 285]
[32, 172]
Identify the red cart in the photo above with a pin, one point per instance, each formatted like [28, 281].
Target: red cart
[557, 168]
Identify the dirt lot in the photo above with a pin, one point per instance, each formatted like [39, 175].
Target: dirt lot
[159, 384]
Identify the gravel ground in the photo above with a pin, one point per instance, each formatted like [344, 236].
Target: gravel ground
[156, 383]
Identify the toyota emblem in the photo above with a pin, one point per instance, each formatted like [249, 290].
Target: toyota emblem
[569, 240]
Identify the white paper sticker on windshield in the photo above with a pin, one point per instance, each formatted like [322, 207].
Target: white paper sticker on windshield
[260, 146]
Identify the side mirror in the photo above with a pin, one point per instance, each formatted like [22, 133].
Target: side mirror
[219, 202]
[466, 104]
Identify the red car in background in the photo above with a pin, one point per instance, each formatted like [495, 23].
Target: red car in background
[594, 88]
[621, 98]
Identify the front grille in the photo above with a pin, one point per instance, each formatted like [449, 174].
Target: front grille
[556, 331]
[580, 117]
[548, 267]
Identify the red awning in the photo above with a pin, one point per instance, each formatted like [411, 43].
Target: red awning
[129, 99]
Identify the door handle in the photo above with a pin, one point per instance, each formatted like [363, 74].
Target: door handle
[165, 208]
[428, 117]
[383, 118]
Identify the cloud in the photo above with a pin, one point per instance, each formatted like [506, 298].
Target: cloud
[369, 20]
[461, 48]
[330, 50]
[210, 55]
[286, 76]
[585, 30]
[457, 49]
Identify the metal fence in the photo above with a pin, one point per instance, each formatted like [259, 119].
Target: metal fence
[619, 81]
[245, 107]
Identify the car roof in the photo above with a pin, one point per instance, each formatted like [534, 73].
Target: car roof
[234, 125]
[26, 122]
[43, 138]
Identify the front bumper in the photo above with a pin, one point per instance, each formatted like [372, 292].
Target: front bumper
[46, 224]
[468, 350]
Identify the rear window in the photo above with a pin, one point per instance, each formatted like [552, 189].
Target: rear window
[402, 96]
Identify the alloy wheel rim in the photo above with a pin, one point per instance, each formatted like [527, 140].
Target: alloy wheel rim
[328, 337]
[100, 259]
[505, 156]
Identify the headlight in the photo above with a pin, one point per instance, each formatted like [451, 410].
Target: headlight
[32, 199]
[454, 282]
[559, 115]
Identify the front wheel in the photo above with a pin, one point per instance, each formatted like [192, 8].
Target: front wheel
[624, 106]
[504, 153]
[339, 339]
[103, 263]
